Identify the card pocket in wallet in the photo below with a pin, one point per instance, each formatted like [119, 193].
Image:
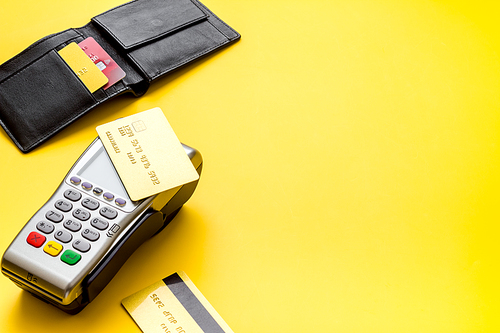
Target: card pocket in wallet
[40, 94]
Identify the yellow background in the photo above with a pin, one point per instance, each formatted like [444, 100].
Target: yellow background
[351, 175]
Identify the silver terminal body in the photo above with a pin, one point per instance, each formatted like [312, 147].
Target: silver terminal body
[85, 219]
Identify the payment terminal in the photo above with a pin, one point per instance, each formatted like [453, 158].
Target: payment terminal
[77, 241]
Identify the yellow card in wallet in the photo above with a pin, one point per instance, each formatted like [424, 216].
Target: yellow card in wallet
[146, 154]
[90, 75]
[174, 305]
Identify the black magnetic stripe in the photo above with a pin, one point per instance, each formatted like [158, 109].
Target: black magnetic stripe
[192, 305]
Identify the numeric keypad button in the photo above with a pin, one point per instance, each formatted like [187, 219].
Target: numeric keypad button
[63, 205]
[81, 214]
[72, 195]
[54, 216]
[90, 234]
[90, 203]
[109, 213]
[81, 245]
[72, 225]
[63, 236]
[45, 227]
[99, 223]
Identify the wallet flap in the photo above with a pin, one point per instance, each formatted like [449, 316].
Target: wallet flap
[138, 22]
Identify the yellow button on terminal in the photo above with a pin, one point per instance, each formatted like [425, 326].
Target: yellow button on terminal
[53, 248]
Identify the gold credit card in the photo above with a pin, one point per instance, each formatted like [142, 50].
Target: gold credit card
[84, 68]
[146, 154]
[174, 305]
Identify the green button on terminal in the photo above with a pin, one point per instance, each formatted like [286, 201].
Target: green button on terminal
[70, 257]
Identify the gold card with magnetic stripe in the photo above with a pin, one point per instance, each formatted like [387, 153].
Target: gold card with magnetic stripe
[174, 304]
[90, 75]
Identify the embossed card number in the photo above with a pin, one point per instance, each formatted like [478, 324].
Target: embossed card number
[146, 154]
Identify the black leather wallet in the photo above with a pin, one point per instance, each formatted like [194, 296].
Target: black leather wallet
[40, 94]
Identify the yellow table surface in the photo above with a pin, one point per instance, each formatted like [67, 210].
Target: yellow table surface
[351, 169]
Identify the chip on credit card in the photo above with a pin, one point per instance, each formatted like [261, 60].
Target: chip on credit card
[103, 61]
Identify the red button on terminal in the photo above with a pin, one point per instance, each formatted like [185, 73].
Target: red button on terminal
[35, 239]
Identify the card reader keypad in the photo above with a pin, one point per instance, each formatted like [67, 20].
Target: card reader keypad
[90, 203]
[90, 234]
[82, 225]
[52, 248]
[81, 214]
[72, 195]
[72, 225]
[81, 245]
[45, 227]
[64, 205]
[109, 213]
[63, 236]
[54, 216]
[99, 223]
[35, 239]
[75, 196]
